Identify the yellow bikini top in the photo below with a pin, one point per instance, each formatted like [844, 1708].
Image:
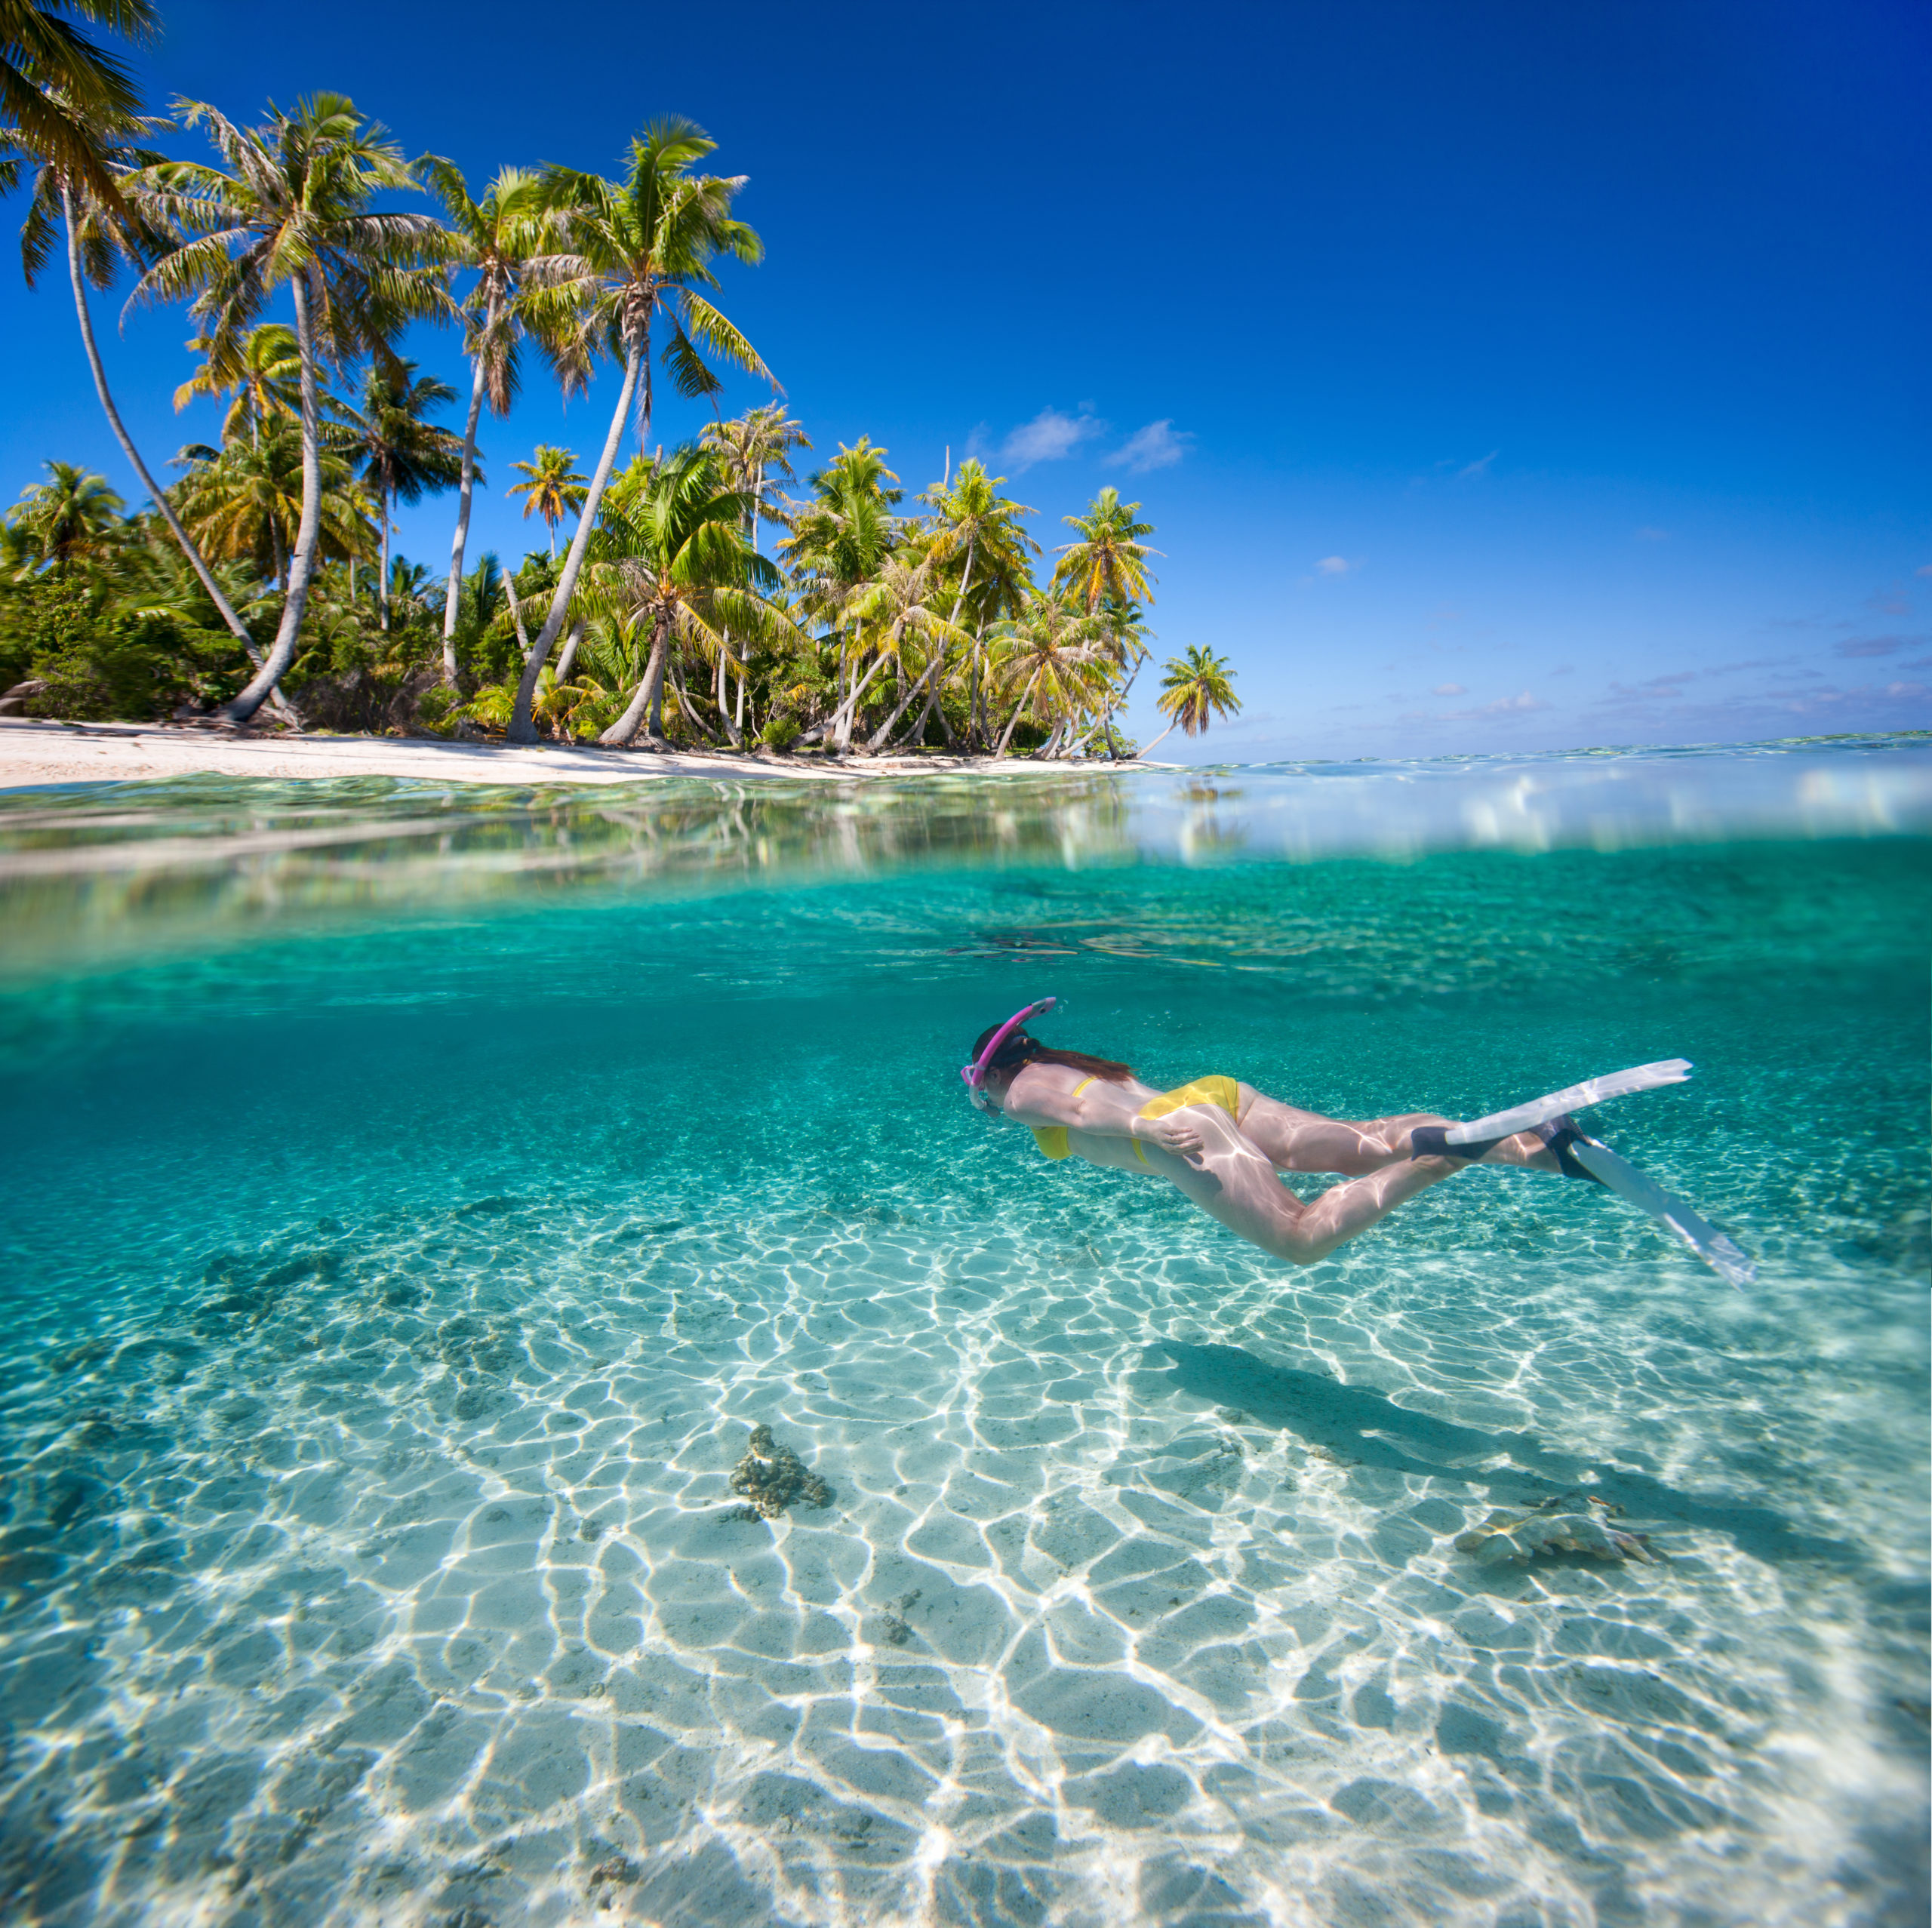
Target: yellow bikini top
[1051, 1139]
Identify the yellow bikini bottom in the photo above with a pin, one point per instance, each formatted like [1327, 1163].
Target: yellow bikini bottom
[1217, 1090]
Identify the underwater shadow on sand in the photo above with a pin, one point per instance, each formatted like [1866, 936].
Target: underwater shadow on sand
[1367, 1427]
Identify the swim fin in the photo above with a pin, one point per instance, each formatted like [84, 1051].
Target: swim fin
[1716, 1249]
[1593, 1091]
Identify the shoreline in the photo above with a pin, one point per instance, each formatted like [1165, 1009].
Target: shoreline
[37, 753]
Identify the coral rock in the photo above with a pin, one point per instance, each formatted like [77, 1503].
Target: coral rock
[772, 1477]
[1568, 1524]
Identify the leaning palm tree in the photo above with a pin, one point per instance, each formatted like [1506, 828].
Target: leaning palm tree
[553, 490]
[674, 567]
[1054, 654]
[64, 101]
[901, 606]
[494, 237]
[629, 252]
[1191, 688]
[292, 205]
[100, 236]
[403, 456]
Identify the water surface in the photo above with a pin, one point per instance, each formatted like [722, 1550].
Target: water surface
[407, 1227]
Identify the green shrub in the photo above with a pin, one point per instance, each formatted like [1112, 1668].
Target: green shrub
[780, 733]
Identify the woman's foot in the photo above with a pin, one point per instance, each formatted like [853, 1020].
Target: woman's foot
[1557, 1135]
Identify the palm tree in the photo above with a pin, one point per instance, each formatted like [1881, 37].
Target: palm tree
[100, 234]
[292, 204]
[1108, 565]
[554, 489]
[1051, 653]
[72, 515]
[1109, 561]
[263, 374]
[630, 251]
[249, 503]
[753, 446]
[1191, 687]
[404, 456]
[62, 99]
[674, 565]
[494, 237]
[971, 512]
[756, 446]
[897, 605]
[838, 543]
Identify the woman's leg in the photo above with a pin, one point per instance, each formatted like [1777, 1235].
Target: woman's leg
[1235, 1185]
[1298, 1141]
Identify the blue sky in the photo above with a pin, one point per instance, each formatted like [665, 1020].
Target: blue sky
[1498, 375]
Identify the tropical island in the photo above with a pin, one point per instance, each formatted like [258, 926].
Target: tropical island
[695, 604]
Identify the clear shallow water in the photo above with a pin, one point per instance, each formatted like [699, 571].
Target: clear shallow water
[399, 1252]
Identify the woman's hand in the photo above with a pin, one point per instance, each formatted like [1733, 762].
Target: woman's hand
[1172, 1133]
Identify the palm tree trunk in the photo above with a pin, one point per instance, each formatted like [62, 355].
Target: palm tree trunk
[966, 580]
[686, 708]
[516, 613]
[1161, 738]
[452, 594]
[567, 661]
[917, 734]
[166, 508]
[1013, 723]
[725, 696]
[521, 730]
[911, 696]
[308, 534]
[850, 708]
[840, 718]
[383, 581]
[626, 727]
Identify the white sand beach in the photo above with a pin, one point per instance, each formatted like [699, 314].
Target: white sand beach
[33, 752]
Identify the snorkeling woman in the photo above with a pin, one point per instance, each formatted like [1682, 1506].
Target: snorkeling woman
[1222, 1143]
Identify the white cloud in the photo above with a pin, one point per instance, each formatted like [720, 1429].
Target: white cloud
[1334, 565]
[1471, 470]
[1050, 437]
[1449, 689]
[1924, 569]
[1157, 446]
[1502, 706]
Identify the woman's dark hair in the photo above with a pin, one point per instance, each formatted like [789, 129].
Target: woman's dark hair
[1020, 1049]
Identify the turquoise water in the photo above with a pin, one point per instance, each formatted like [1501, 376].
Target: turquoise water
[414, 1200]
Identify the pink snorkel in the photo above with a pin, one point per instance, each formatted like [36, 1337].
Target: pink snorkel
[975, 1073]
